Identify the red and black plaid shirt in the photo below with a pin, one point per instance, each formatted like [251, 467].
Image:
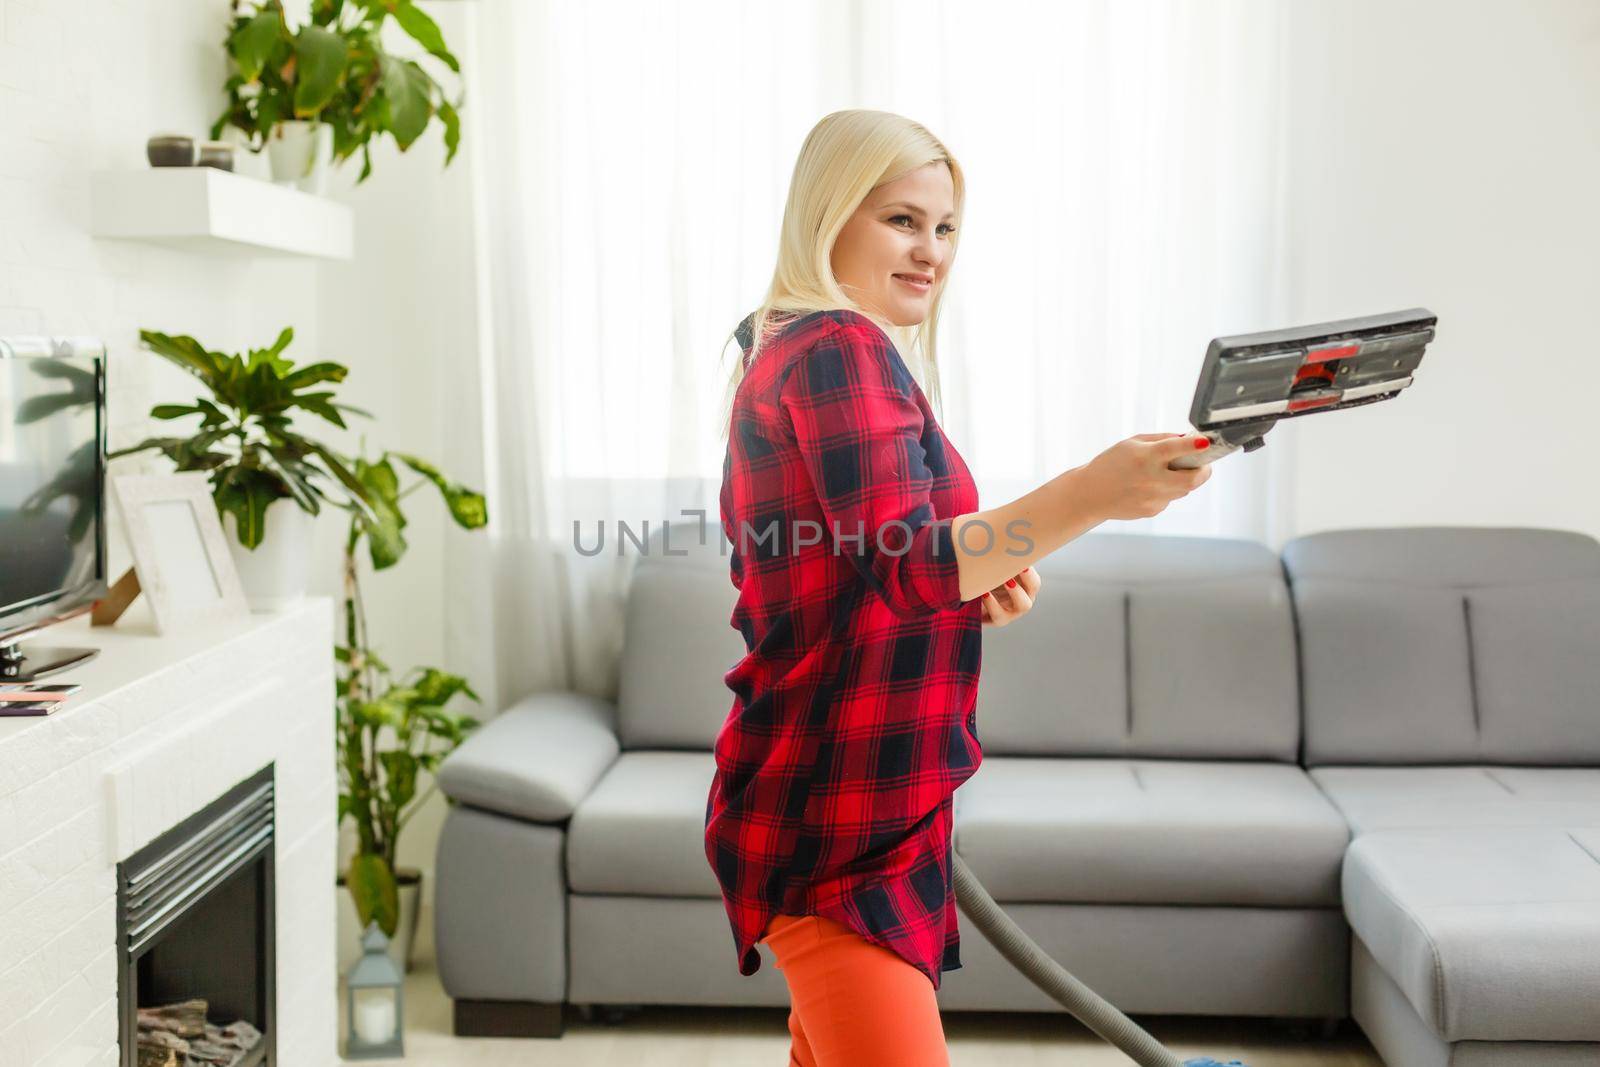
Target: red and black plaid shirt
[852, 720]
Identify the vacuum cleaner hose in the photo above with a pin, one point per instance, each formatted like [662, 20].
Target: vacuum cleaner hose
[1093, 1010]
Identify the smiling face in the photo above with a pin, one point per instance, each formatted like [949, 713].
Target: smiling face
[894, 252]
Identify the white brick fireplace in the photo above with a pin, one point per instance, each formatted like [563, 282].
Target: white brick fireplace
[163, 726]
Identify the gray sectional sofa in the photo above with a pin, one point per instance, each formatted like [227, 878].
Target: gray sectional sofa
[1360, 779]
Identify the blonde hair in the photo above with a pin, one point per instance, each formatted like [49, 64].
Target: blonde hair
[845, 156]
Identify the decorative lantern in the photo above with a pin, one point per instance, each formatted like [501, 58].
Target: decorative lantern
[375, 997]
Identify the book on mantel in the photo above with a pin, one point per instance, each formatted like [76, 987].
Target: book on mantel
[25, 698]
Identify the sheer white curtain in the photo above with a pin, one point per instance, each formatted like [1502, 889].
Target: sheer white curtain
[1124, 163]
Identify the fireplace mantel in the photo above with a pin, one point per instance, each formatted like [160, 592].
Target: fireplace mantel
[163, 725]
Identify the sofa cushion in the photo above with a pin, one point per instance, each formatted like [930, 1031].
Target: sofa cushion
[1146, 645]
[1386, 798]
[1536, 661]
[1149, 832]
[678, 644]
[1448, 645]
[642, 829]
[1491, 934]
[536, 760]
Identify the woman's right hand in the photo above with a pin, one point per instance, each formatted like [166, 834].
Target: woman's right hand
[1131, 479]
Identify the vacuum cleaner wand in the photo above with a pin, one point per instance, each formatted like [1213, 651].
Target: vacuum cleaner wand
[1249, 382]
[1090, 1008]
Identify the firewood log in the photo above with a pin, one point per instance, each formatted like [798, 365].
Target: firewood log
[186, 1018]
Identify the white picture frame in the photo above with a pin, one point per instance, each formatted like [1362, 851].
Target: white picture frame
[179, 549]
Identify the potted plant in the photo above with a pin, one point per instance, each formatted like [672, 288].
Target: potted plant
[264, 474]
[320, 92]
[390, 730]
[379, 775]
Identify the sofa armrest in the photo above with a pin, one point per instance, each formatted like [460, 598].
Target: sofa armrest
[537, 759]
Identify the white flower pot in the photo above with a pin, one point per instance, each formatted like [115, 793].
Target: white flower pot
[300, 153]
[277, 572]
[248, 161]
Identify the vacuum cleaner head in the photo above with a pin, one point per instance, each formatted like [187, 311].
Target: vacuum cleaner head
[1250, 381]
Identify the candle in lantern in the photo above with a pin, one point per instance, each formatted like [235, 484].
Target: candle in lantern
[375, 1019]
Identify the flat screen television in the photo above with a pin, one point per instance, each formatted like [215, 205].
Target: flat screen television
[52, 494]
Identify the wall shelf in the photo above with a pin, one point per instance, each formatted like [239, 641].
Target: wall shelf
[214, 211]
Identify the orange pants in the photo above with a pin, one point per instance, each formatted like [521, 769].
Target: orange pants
[853, 1003]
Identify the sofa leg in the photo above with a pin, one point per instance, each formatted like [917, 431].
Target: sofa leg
[508, 1018]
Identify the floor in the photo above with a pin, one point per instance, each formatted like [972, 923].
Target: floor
[735, 1037]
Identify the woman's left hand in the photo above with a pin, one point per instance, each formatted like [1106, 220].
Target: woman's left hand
[1007, 603]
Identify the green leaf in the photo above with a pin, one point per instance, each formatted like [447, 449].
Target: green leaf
[314, 373]
[317, 404]
[467, 507]
[452, 130]
[336, 466]
[319, 67]
[407, 88]
[393, 708]
[380, 478]
[385, 543]
[401, 769]
[290, 476]
[437, 687]
[370, 714]
[262, 387]
[284, 337]
[174, 411]
[377, 898]
[252, 42]
[186, 352]
[271, 109]
[245, 494]
[213, 414]
[424, 31]
[326, 12]
[265, 357]
[202, 441]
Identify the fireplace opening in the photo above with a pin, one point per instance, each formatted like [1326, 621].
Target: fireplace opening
[196, 975]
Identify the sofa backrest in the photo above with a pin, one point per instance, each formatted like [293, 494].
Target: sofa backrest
[677, 644]
[1140, 645]
[1147, 645]
[1448, 645]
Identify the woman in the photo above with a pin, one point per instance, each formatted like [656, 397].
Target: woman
[866, 573]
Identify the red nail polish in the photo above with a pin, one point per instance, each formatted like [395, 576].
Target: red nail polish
[1011, 581]
[1202, 442]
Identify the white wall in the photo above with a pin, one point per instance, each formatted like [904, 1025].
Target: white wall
[1448, 155]
[81, 88]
